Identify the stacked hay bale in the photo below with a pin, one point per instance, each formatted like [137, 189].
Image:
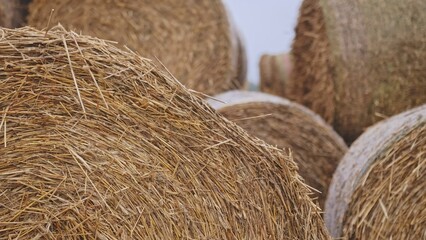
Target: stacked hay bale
[379, 188]
[275, 72]
[316, 148]
[356, 62]
[98, 143]
[12, 13]
[194, 39]
[242, 62]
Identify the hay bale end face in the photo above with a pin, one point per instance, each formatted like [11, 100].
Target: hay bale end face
[379, 188]
[275, 71]
[97, 142]
[194, 39]
[356, 62]
[316, 148]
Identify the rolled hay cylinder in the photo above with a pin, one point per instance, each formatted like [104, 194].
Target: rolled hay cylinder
[97, 142]
[12, 13]
[242, 62]
[316, 148]
[356, 63]
[195, 40]
[379, 188]
[275, 72]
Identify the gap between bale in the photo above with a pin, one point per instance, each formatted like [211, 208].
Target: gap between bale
[316, 148]
[144, 159]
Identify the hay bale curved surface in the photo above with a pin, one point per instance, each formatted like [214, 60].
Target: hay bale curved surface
[194, 39]
[379, 188]
[275, 71]
[98, 143]
[316, 148]
[355, 61]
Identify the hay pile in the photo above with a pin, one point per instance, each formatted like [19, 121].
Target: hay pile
[379, 188]
[12, 13]
[356, 62]
[194, 39]
[98, 143]
[316, 148]
[275, 72]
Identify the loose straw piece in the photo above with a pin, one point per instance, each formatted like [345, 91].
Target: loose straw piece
[48, 22]
[73, 74]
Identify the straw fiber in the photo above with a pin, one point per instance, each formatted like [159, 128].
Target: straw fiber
[316, 148]
[194, 39]
[379, 188]
[96, 142]
[358, 62]
[275, 72]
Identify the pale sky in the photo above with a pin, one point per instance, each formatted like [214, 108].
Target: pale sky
[266, 26]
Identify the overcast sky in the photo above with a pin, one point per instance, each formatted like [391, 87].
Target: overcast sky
[266, 26]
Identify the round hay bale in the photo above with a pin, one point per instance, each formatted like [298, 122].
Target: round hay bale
[275, 72]
[316, 148]
[242, 63]
[97, 142]
[194, 39]
[12, 13]
[356, 62]
[379, 188]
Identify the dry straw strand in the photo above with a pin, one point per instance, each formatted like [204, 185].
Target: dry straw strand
[379, 190]
[146, 160]
[316, 148]
[356, 62]
[194, 39]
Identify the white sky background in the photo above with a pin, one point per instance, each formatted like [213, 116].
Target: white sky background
[266, 26]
